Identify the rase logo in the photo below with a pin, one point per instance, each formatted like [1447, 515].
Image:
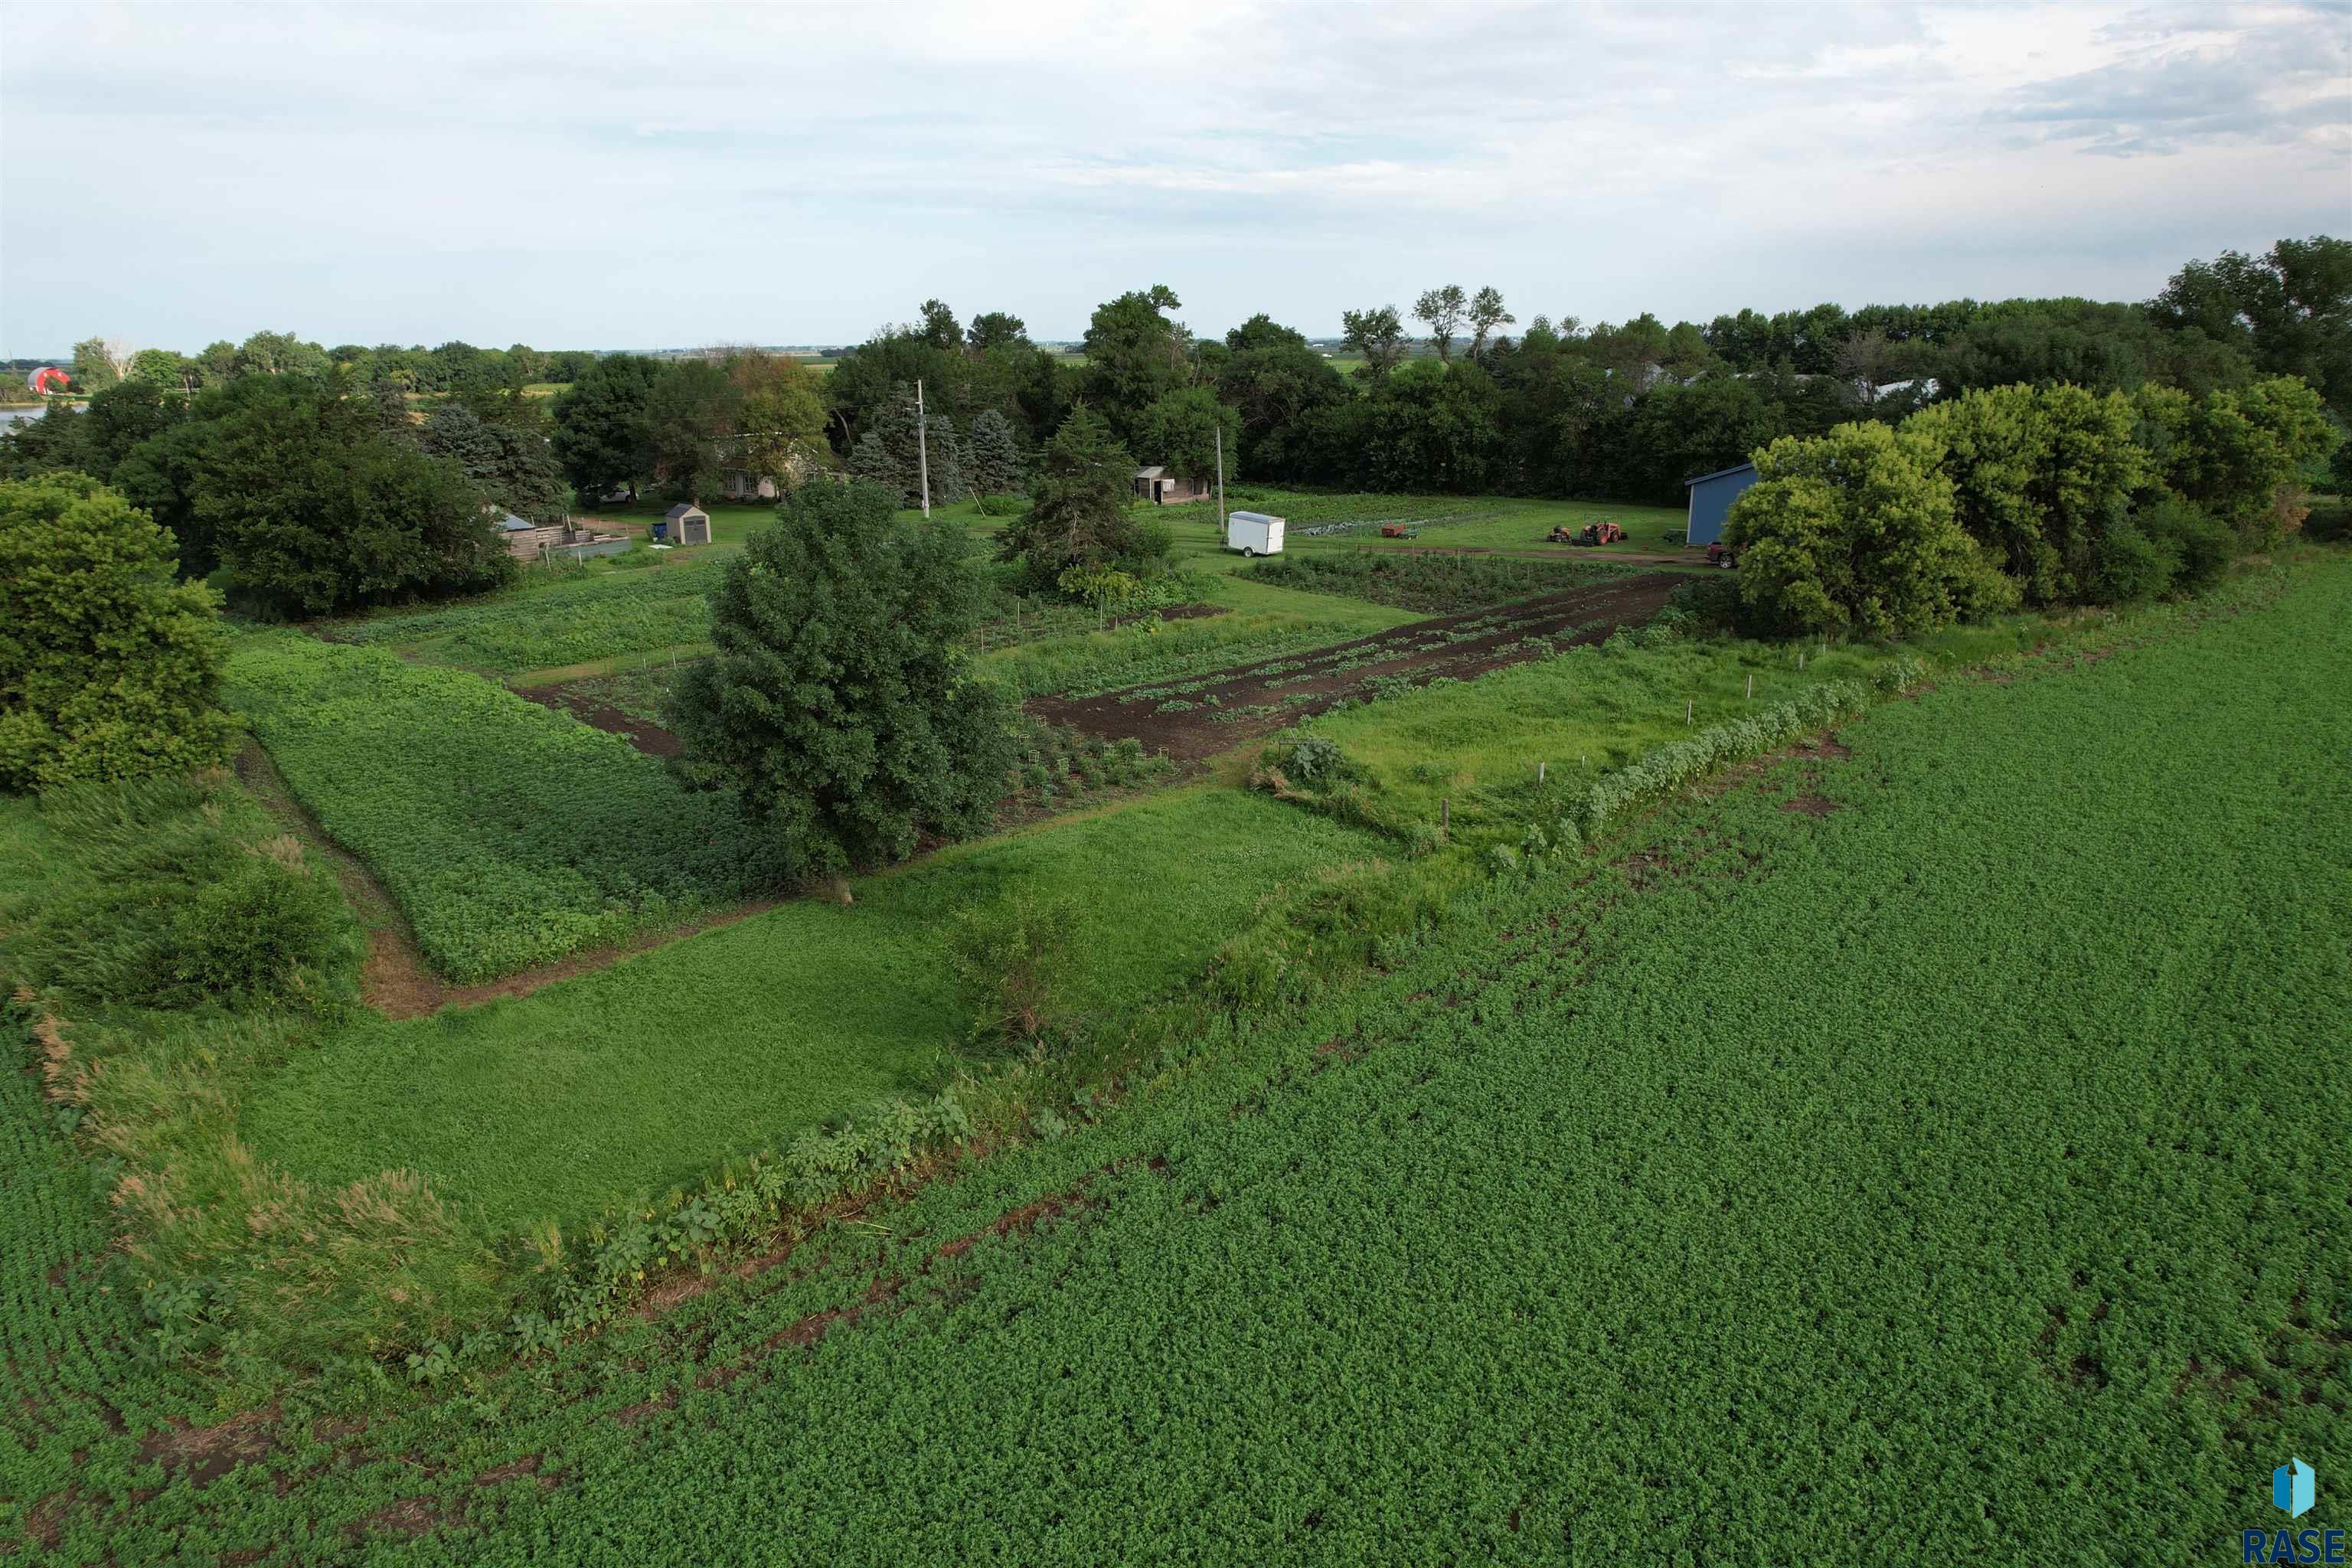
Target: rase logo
[2295, 1487]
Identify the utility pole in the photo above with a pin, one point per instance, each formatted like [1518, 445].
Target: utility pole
[1220, 483]
[923, 448]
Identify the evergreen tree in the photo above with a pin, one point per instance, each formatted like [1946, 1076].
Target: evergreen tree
[995, 456]
[1078, 505]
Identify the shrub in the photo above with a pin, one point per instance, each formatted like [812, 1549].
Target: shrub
[1000, 505]
[2199, 544]
[109, 669]
[1313, 761]
[1855, 531]
[1711, 602]
[1011, 963]
[1103, 589]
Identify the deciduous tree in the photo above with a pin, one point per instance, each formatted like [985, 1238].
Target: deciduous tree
[109, 667]
[1442, 309]
[1486, 313]
[1856, 531]
[1377, 334]
[602, 438]
[837, 703]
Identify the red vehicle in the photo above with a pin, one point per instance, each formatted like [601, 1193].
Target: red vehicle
[1604, 532]
[1722, 554]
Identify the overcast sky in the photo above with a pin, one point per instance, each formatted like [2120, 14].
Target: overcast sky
[666, 175]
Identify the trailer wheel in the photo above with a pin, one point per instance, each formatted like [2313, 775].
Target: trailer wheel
[1248, 553]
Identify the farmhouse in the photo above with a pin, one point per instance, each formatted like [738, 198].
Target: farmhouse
[744, 485]
[1157, 486]
[688, 523]
[1711, 496]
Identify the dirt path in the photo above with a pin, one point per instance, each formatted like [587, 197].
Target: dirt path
[1540, 550]
[643, 733]
[395, 980]
[1201, 717]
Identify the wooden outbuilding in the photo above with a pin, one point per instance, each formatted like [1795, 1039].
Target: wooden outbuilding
[688, 523]
[1161, 488]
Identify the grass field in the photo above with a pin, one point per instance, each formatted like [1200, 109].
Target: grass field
[1944, 1171]
[643, 1074]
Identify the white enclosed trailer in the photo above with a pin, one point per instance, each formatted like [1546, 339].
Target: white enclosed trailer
[1253, 533]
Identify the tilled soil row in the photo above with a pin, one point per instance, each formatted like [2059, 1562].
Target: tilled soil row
[1217, 711]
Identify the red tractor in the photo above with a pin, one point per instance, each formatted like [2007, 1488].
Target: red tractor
[1601, 533]
[1723, 555]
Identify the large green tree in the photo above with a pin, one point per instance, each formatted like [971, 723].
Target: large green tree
[780, 422]
[1442, 309]
[293, 484]
[602, 436]
[109, 667]
[837, 703]
[2240, 454]
[1378, 335]
[2290, 309]
[1856, 531]
[1135, 356]
[1179, 431]
[691, 419]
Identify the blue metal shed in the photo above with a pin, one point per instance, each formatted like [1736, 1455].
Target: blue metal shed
[1711, 496]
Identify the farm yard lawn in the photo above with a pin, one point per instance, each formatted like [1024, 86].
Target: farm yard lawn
[645, 1073]
[1485, 522]
[1635, 1215]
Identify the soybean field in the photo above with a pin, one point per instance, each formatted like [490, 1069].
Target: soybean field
[1924, 1147]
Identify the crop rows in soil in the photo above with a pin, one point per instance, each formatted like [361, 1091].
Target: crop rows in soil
[1217, 711]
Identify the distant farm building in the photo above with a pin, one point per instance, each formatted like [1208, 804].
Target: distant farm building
[1711, 496]
[688, 524]
[1157, 486]
[525, 540]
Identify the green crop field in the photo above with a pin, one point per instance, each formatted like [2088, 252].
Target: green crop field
[568, 620]
[508, 833]
[1925, 1149]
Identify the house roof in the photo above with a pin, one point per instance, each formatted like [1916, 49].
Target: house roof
[1153, 472]
[1720, 473]
[682, 508]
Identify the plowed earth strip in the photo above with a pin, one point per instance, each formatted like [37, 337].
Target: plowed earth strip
[1418, 652]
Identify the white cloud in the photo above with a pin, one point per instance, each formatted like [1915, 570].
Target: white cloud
[576, 176]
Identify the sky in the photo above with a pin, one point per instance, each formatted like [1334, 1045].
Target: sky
[665, 176]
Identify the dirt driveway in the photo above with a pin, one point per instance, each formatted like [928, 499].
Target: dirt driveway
[1214, 712]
